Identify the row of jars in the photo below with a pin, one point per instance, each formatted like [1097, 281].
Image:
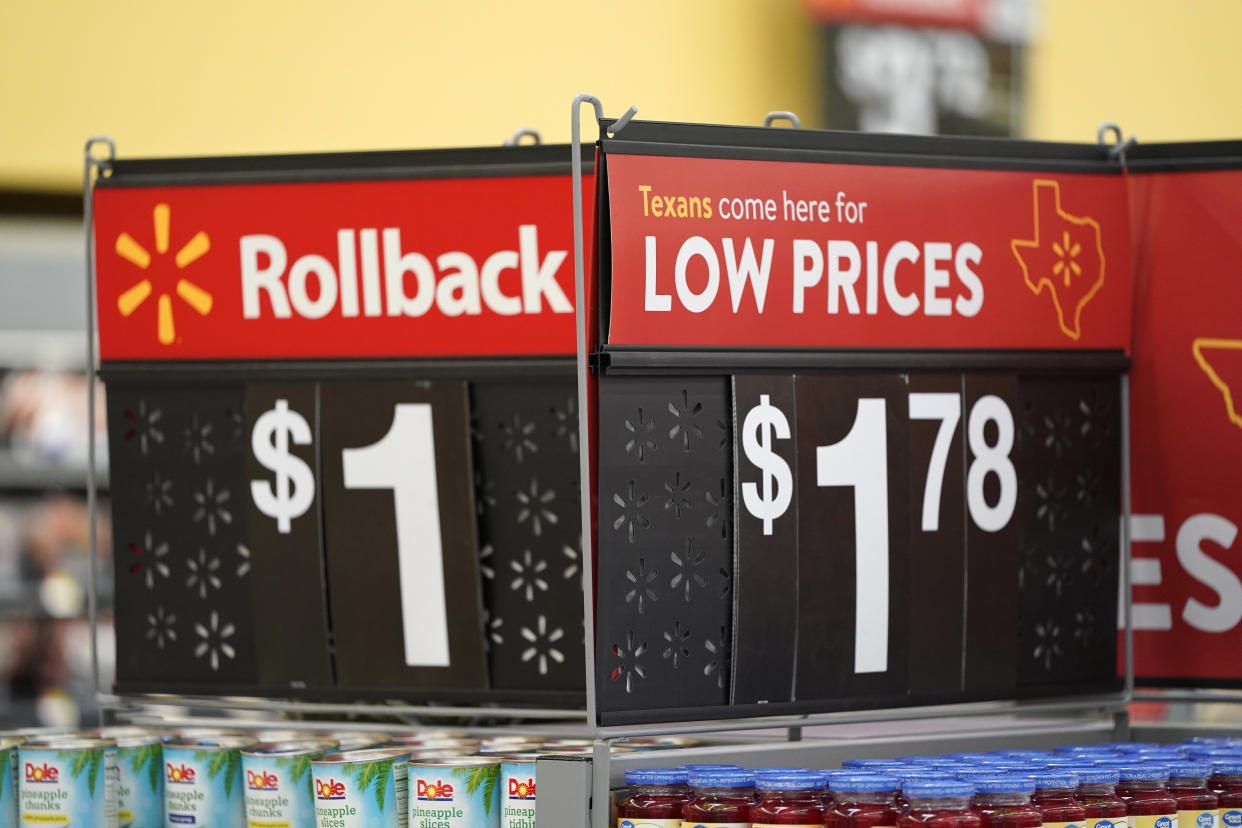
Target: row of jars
[1099, 786]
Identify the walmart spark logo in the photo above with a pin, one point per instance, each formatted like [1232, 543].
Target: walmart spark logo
[193, 295]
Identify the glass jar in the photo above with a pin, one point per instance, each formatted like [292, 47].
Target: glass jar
[1097, 791]
[1005, 802]
[1054, 797]
[719, 799]
[863, 801]
[1226, 782]
[656, 797]
[1197, 807]
[1148, 802]
[938, 804]
[789, 799]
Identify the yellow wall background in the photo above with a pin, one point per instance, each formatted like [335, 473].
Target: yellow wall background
[247, 76]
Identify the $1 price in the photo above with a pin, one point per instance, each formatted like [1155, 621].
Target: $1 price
[860, 460]
[404, 462]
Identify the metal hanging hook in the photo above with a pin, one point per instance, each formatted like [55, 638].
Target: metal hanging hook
[1119, 146]
[782, 115]
[524, 132]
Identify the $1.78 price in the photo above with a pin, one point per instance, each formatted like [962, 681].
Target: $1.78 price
[859, 460]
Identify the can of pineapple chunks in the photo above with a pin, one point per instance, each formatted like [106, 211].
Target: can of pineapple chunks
[278, 790]
[203, 782]
[140, 775]
[455, 793]
[67, 781]
[361, 789]
[8, 779]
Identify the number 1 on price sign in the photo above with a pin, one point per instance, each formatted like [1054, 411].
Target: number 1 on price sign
[404, 460]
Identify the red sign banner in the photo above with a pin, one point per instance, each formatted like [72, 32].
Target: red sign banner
[718, 252]
[430, 267]
[1186, 421]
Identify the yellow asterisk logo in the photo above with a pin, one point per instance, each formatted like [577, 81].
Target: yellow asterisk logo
[193, 295]
[1067, 264]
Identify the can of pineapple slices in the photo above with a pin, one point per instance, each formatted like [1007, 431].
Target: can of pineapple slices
[68, 782]
[360, 788]
[8, 779]
[455, 793]
[140, 775]
[278, 791]
[203, 782]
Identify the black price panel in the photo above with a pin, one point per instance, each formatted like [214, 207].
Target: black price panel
[343, 425]
[921, 347]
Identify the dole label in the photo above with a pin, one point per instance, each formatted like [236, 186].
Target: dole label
[329, 789]
[42, 773]
[437, 791]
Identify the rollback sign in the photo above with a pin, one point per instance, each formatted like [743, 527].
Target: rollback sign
[842, 391]
[343, 380]
[334, 269]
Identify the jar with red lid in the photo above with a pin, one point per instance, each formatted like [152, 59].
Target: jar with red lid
[1054, 797]
[863, 801]
[655, 798]
[1005, 802]
[719, 799]
[1148, 801]
[789, 799]
[938, 803]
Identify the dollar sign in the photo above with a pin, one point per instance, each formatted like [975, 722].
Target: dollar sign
[295, 484]
[762, 423]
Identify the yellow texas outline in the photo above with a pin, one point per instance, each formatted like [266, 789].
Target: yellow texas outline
[1226, 345]
[1034, 244]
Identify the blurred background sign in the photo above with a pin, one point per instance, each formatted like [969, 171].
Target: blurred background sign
[924, 66]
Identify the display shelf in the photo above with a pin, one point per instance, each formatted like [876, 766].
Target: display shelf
[575, 784]
[18, 476]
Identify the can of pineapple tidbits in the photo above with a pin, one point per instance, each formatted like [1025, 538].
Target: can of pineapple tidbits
[278, 792]
[517, 791]
[203, 782]
[455, 793]
[67, 781]
[360, 789]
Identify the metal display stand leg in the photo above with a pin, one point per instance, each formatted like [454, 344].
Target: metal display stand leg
[91, 166]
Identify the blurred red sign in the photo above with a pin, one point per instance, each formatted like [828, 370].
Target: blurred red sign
[1186, 421]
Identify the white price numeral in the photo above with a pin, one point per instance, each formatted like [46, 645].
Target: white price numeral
[404, 460]
[989, 459]
[860, 460]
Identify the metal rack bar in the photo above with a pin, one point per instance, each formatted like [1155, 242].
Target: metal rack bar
[91, 164]
[373, 708]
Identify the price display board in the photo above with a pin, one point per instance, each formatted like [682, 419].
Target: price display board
[859, 419]
[1187, 421]
[342, 424]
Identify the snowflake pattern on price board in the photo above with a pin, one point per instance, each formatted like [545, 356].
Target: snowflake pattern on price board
[526, 485]
[183, 604]
[1068, 501]
[665, 542]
